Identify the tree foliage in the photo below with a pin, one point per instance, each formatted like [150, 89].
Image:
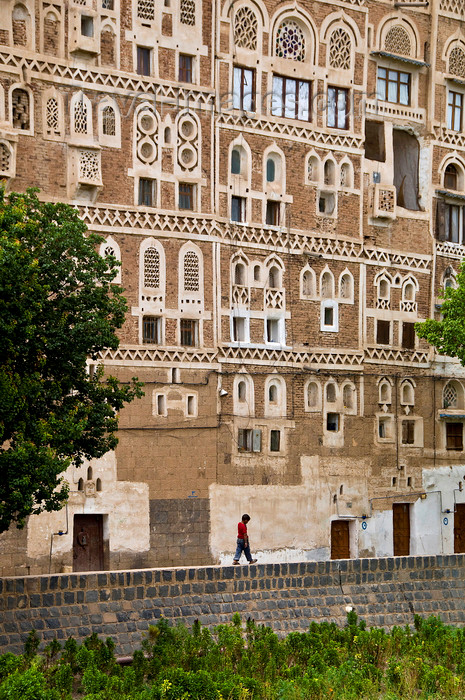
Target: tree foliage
[448, 334]
[58, 307]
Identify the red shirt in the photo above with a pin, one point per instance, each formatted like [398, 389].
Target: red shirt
[241, 530]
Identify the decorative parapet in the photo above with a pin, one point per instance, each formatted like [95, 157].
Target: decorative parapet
[450, 250]
[452, 7]
[134, 354]
[320, 358]
[387, 109]
[389, 355]
[449, 138]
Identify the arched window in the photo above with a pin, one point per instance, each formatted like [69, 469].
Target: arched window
[110, 248]
[331, 392]
[21, 25]
[52, 29]
[340, 49]
[327, 285]
[451, 177]
[270, 170]
[290, 41]
[107, 47]
[329, 173]
[167, 136]
[348, 397]
[346, 175]
[274, 277]
[256, 273]
[53, 118]
[81, 114]
[152, 268]
[5, 159]
[81, 485]
[384, 392]
[98, 485]
[313, 396]
[273, 393]
[384, 289]
[346, 286]
[313, 169]
[245, 28]
[457, 62]
[407, 394]
[408, 291]
[235, 161]
[239, 274]
[108, 121]
[397, 41]
[191, 272]
[241, 391]
[89, 474]
[308, 283]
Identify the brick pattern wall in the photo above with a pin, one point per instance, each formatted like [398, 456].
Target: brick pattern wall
[286, 597]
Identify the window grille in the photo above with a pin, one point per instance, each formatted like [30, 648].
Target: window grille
[340, 49]
[52, 117]
[146, 10]
[89, 166]
[80, 117]
[290, 41]
[457, 62]
[191, 272]
[109, 121]
[5, 158]
[152, 268]
[188, 12]
[398, 41]
[245, 29]
[450, 396]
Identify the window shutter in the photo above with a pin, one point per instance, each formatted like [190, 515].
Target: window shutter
[257, 441]
[441, 220]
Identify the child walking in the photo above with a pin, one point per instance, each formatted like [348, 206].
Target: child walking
[243, 541]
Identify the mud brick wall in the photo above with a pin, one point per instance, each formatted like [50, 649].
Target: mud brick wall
[384, 592]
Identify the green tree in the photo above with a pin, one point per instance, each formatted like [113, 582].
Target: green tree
[58, 307]
[448, 334]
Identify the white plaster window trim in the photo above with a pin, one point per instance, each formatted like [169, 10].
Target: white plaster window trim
[243, 314]
[329, 304]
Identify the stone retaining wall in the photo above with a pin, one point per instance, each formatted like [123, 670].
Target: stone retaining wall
[384, 592]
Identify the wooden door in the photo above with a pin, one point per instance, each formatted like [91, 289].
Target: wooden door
[459, 528]
[88, 543]
[401, 529]
[340, 547]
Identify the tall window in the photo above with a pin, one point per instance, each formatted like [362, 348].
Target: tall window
[244, 89]
[151, 330]
[143, 60]
[338, 108]
[186, 196]
[191, 272]
[291, 98]
[146, 192]
[272, 213]
[454, 110]
[20, 109]
[108, 121]
[238, 208]
[152, 268]
[189, 332]
[235, 161]
[185, 68]
[454, 436]
[451, 177]
[453, 223]
[394, 86]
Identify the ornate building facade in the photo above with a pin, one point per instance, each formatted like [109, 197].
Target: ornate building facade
[284, 185]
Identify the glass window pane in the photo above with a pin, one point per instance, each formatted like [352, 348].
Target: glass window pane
[248, 91]
[304, 95]
[331, 107]
[341, 109]
[290, 104]
[392, 91]
[270, 170]
[404, 94]
[381, 88]
[455, 224]
[450, 114]
[237, 88]
[277, 97]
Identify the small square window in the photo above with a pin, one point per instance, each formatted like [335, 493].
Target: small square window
[87, 26]
[326, 203]
[144, 60]
[238, 208]
[146, 192]
[329, 316]
[151, 330]
[275, 440]
[185, 68]
[408, 432]
[332, 422]
[186, 196]
[189, 332]
[454, 436]
[272, 213]
[383, 332]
